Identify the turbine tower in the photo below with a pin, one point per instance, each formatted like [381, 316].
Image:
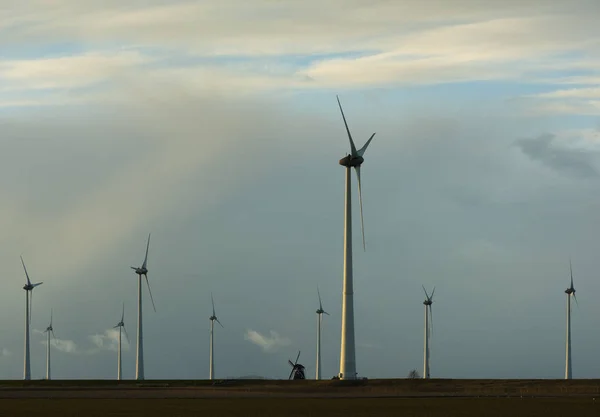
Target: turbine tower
[121, 326]
[48, 330]
[142, 270]
[348, 352]
[570, 293]
[28, 287]
[212, 319]
[428, 331]
[320, 313]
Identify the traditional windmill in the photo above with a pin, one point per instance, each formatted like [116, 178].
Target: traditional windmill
[297, 369]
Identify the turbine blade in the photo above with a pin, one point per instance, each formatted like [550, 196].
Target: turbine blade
[431, 317]
[291, 363]
[30, 305]
[292, 372]
[50, 317]
[118, 325]
[352, 147]
[432, 292]
[53, 336]
[362, 224]
[575, 298]
[26, 274]
[297, 357]
[425, 291]
[571, 270]
[150, 291]
[213, 305]
[146, 257]
[35, 285]
[123, 313]
[324, 312]
[319, 294]
[362, 150]
[219, 322]
[126, 335]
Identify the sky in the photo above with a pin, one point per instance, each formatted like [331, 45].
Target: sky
[214, 126]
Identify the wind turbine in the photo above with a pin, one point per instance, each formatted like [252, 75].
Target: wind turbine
[121, 326]
[320, 313]
[348, 350]
[28, 287]
[428, 330]
[142, 270]
[212, 319]
[48, 330]
[570, 293]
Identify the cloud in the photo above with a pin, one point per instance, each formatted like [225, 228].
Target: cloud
[550, 152]
[109, 340]
[63, 345]
[270, 343]
[284, 44]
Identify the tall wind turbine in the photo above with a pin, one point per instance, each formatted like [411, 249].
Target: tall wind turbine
[48, 330]
[428, 330]
[121, 326]
[348, 352]
[570, 293]
[142, 270]
[212, 319]
[320, 313]
[28, 287]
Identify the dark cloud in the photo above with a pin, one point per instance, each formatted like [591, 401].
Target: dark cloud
[546, 149]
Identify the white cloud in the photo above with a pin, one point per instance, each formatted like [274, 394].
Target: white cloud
[271, 343]
[68, 71]
[63, 345]
[437, 42]
[109, 340]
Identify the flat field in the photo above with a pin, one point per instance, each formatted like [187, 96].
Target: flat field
[435, 397]
[292, 407]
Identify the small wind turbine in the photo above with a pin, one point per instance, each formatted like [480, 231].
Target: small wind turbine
[320, 313]
[49, 330]
[570, 293]
[348, 349]
[428, 330]
[212, 319]
[142, 270]
[28, 287]
[121, 326]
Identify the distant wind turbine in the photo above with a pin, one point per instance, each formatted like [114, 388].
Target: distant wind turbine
[320, 313]
[212, 319]
[428, 330]
[142, 270]
[348, 349]
[28, 287]
[570, 293]
[121, 326]
[49, 330]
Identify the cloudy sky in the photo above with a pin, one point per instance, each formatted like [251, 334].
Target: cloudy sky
[214, 125]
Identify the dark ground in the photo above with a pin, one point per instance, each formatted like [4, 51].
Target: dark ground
[259, 407]
[373, 398]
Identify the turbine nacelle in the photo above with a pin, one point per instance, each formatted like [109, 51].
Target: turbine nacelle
[140, 270]
[570, 291]
[350, 161]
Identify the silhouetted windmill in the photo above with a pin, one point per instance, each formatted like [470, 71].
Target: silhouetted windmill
[297, 369]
